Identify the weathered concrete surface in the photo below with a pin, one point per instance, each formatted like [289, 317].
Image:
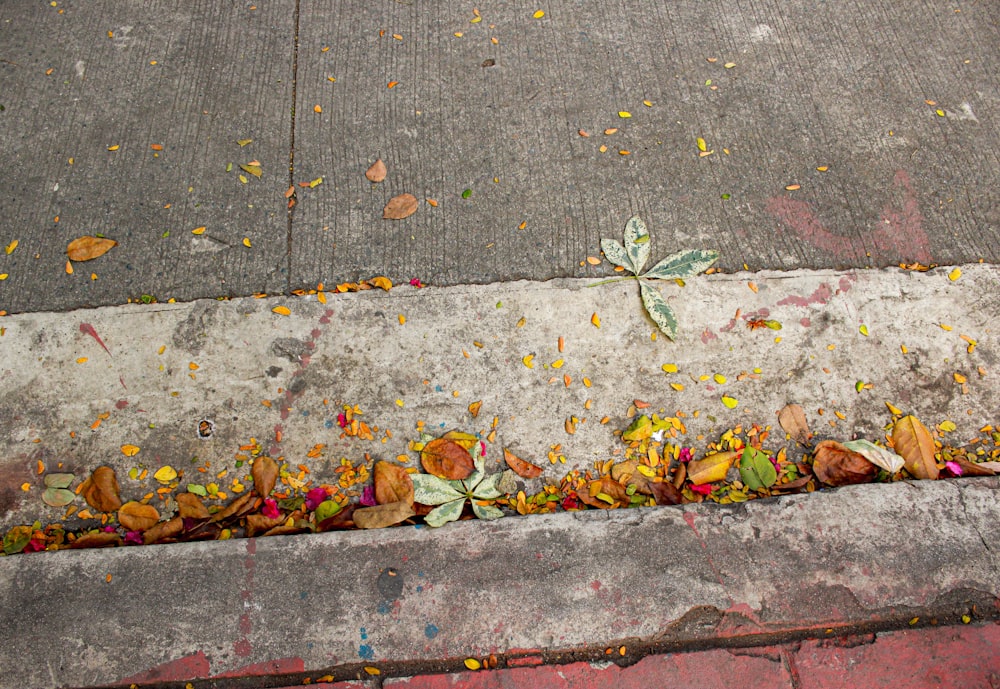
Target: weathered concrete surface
[193, 78]
[169, 366]
[534, 586]
[837, 85]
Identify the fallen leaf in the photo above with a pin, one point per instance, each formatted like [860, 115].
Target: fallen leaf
[282, 310]
[399, 207]
[171, 528]
[87, 248]
[252, 169]
[58, 497]
[135, 516]
[792, 419]
[835, 465]
[265, 475]
[521, 467]
[130, 450]
[236, 508]
[474, 408]
[665, 493]
[974, 469]
[190, 506]
[446, 459]
[377, 172]
[879, 456]
[381, 516]
[98, 539]
[381, 282]
[258, 523]
[392, 484]
[914, 443]
[165, 474]
[605, 493]
[711, 468]
[101, 490]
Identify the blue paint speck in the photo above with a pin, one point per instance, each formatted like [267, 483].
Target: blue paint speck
[366, 652]
[364, 633]
[303, 595]
[328, 423]
[384, 608]
[420, 589]
[437, 388]
[305, 412]
[431, 630]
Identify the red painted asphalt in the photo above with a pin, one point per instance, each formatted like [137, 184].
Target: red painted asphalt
[958, 657]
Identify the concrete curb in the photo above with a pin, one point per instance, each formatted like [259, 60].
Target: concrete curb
[412, 358]
[553, 588]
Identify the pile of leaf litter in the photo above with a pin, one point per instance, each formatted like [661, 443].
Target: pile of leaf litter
[652, 466]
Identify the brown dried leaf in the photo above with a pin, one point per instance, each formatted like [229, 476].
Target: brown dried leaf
[265, 475]
[521, 467]
[665, 493]
[392, 484]
[237, 508]
[974, 469]
[381, 516]
[604, 486]
[914, 443]
[342, 520]
[101, 490]
[190, 506]
[446, 459]
[171, 528]
[136, 516]
[399, 207]
[87, 248]
[101, 539]
[376, 173]
[835, 465]
[258, 523]
[793, 421]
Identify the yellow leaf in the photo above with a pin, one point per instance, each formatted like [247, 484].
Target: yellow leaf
[712, 468]
[315, 183]
[10, 247]
[381, 282]
[372, 670]
[729, 65]
[624, 114]
[719, 378]
[317, 109]
[69, 268]
[558, 363]
[702, 146]
[527, 360]
[246, 242]
[913, 442]
[679, 387]
[959, 378]
[669, 368]
[282, 310]
[955, 274]
[198, 230]
[472, 664]
[895, 411]
[730, 402]
[165, 474]
[130, 450]
[539, 14]
[863, 330]
[255, 170]
[114, 148]
[595, 320]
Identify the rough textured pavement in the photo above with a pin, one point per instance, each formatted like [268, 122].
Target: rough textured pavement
[776, 90]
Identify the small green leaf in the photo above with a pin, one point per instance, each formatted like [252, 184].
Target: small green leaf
[16, 539]
[756, 469]
[658, 310]
[640, 429]
[448, 512]
[197, 489]
[637, 243]
[467, 193]
[682, 264]
[615, 252]
[58, 480]
[254, 170]
[431, 490]
[326, 509]
[486, 512]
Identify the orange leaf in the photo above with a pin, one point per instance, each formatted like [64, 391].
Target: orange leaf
[135, 516]
[914, 443]
[86, 248]
[392, 484]
[521, 467]
[377, 172]
[475, 407]
[381, 282]
[399, 207]
[446, 459]
[265, 475]
[101, 490]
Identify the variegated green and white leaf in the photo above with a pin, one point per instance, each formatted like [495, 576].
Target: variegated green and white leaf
[448, 512]
[879, 456]
[682, 264]
[489, 487]
[637, 243]
[431, 490]
[615, 252]
[658, 310]
[486, 512]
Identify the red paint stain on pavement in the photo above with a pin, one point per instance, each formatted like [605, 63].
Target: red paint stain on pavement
[267, 668]
[121, 404]
[596, 585]
[805, 322]
[242, 646]
[194, 666]
[88, 329]
[690, 518]
[708, 336]
[820, 296]
[286, 406]
[900, 230]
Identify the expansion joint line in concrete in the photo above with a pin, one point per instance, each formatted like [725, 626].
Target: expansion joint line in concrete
[291, 149]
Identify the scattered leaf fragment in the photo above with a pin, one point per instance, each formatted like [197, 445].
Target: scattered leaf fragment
[130, 450]
[863, 330]
[475, 407]
[702, 146]
[282, 310]
[377, 172]
[198, 230]
[527, 360]
[244, 142]
[10, 247]
[595, 320]
[399, 207]
[793, 187]
[955, 273]
[539, 14]
[87, 248]
[246, 242]
[624, 114]
[472, 664]
[730, 402]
